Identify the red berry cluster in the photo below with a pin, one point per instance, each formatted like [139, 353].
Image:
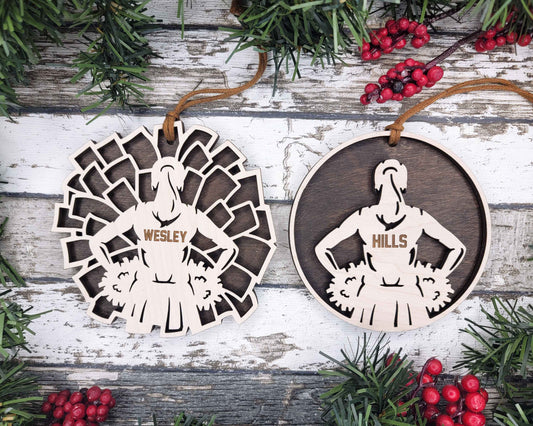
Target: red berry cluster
[464, 400]
[500, 35]
[392, 36]
[403, 81]
[88, 407]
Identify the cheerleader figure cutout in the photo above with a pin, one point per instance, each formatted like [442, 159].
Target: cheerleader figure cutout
[389, 285]
[168, 235]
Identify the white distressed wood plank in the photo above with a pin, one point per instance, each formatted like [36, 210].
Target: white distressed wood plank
[36, 252]
[287, 331]
[201, 59]
[34, 153]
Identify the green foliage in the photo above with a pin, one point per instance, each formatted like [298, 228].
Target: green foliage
[493, 11]
[371, 387]
[117, 53]
[291, 28]
[17, 389]
[504, 351]
[7, 272]
[22, 23]
[419, 10]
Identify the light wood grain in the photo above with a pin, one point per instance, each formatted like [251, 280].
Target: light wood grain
[36, 251]
[201, 60]
[34, 153]
[286, 332]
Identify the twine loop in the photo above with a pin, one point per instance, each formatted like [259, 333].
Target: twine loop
[184, 103]
[482, 84]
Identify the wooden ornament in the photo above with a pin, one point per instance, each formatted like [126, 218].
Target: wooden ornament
[174, 235]
[390, 238]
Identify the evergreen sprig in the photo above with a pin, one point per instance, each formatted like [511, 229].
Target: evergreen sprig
[21, 24]
[117, 54]
[324, 29]
[185, 419]
[504, 352]
[374, 382]
[7, 272]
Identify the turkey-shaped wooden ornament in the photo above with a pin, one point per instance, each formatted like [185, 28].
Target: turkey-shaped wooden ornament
[390, 238]
[174, 235]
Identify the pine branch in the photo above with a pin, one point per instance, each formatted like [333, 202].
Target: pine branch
[374, 384]
[7, 272]
[184, 419]
[22, 23]
[324, 29]
[504, 351]
[117, 55]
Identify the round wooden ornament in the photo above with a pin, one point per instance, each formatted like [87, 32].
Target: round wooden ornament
[174, 235]
[390, 238]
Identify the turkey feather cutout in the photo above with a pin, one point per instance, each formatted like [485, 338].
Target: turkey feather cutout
[170, 235]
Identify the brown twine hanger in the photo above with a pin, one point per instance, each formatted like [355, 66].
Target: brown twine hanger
[498, 84]
[184, 103]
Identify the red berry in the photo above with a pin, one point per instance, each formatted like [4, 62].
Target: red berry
[417, 73]
[417, 42]
[435, 74]
[402, 413]
[93, 393]
[475, 402]
[434, 366]
[430, 412]
[400, 44]
[490, 44]
[480, 45]
[69, 422]
[409, 90]
[498, 27]
[102, 410]
[364, 100]
[371, 87]
[67, 407]
[388, 50]
[524, 40]
[78, 411]
[58, 413]
[473, 419]
[501, 41]
[399, 67]
[422, 81]
[112, 403]
[452, 408]
[431, 395]
[376, 55]
[412, 27]
[383, 32]
[386, 93]
[61, 400]
[366, 56]
[101, 419]
[106, 396]
[444, 420]
[421, 30]
[90, 411]
[511, 37]
[490, 33]
[397, 97]
[391, 357]
[470, 383]
[392, 74]
[430, 84]
[80, 422]
[403, 24]
[451, 393]
[76, 397]
[46, 407]
[484, 394]
[386, 42]
[366, 46]
[52, 398]
[65, 392]
[383, 79]
[410, 62]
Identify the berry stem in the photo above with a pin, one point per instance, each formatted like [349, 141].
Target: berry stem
[446, 14]
[452, 49]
